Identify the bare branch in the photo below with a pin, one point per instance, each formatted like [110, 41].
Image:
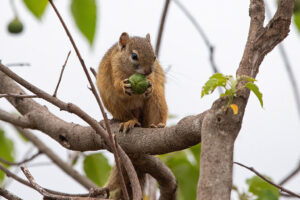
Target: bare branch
[93, 71]
[110, 139]
[220, 128]
[288, 68]
[290, 175]
[8, 195]
[80, 138]
[18, 64]
[68, 169]
[267, 180]
[15, 119]
[201, 32]
[18, 96]
[21, 162]
[158, 170]
[161, 27]
[92, 193]
[61, 74]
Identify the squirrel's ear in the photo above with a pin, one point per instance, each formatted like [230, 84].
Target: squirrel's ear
[123, 40]
[148, 37]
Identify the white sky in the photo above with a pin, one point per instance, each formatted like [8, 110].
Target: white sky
[269, 139]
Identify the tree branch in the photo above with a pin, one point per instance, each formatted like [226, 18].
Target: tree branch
[220, 127]
[267, 180]
[161, 27]
[21, 162]
[68, 169]
[8, 195]
[61, 74]
[80, 138]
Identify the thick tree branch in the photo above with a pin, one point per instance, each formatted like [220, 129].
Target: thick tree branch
[220, 127]
[80, 138]
[159, 171]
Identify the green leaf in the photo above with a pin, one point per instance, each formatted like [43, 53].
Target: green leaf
[36, 7]
[85, 15]
[96, 168]
[262, 189]
[297, 20]
[186, 174]
[253, 87]
[214, 81]
[7, 150]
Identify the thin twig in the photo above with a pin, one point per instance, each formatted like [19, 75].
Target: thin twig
[84, 181]
[61, 74]
[37, 187]
[18, 96]
[288, 67]
[267, 180]
[291, 175]
[21, 162]
[201, 32]
[92, 193]
[161, 27]
[93, 71]
[112, 142]
[18, 64]
[8, 195]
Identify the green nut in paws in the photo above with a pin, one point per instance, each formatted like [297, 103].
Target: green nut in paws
[139, 83]
[15, 26]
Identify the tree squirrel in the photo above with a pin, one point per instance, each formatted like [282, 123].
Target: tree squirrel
[129, 56]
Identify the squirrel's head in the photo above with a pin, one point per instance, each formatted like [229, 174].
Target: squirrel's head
[137, 54]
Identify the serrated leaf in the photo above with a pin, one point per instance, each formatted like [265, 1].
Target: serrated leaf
[36, 7]
[97, 168]
[253, 87]
[297, 20]
[7, 150]
[186, 174]
[214, 81]
[262, 189]
[85, 15]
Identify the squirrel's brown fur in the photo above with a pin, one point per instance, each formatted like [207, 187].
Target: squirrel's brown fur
[146, 110]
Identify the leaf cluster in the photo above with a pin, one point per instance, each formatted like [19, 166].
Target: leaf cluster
[230, 86]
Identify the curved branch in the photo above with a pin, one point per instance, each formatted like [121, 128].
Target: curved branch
[8, 195]
[84, 181]
[81, 138]
[158, 170]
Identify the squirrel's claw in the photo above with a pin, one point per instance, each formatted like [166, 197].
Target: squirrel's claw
[149, 89]
[160, 125]
[130, 124]
[127, 87]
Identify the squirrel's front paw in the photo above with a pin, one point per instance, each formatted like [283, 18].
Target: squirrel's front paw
[126, 86]
[149, 89]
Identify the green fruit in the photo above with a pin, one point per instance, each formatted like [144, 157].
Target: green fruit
[15, 26]
[139, 83]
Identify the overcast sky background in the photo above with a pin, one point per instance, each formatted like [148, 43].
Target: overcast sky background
[269, 138]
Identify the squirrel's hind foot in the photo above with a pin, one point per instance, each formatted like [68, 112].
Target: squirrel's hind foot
[130, 124]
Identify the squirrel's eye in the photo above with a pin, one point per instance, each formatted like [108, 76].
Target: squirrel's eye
[154, 58]
[134, 56]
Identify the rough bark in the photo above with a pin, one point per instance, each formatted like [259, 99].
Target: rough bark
[220, 126]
